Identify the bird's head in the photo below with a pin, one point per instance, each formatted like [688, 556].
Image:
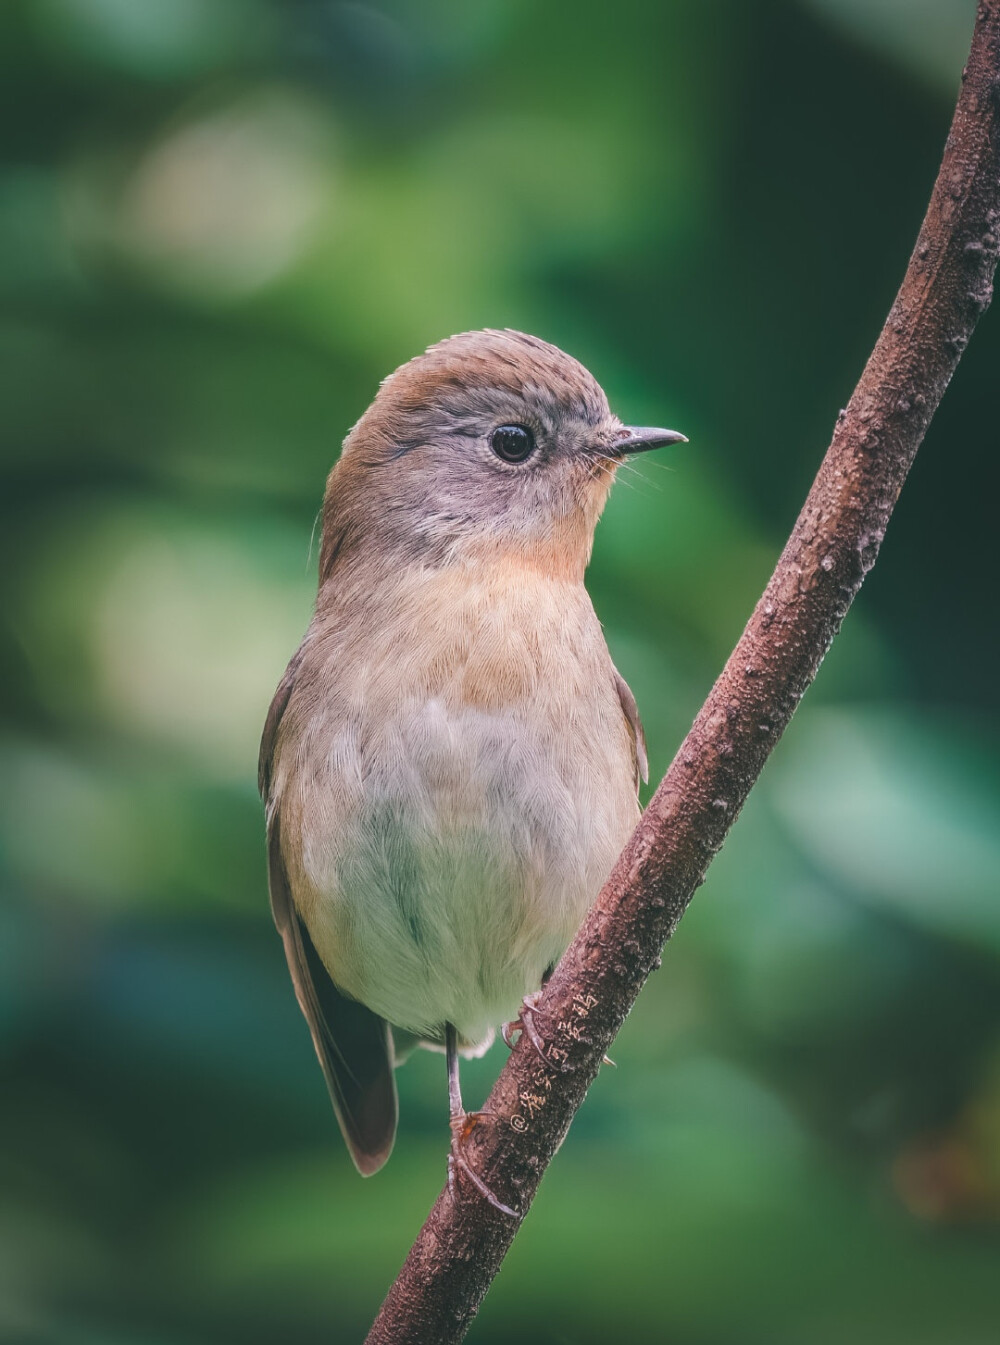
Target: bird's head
[492, 445]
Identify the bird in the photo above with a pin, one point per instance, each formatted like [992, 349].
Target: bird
[451, 762]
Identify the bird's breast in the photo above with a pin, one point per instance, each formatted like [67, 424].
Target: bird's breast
[456, 782]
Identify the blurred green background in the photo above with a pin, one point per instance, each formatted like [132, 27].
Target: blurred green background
[221, 222]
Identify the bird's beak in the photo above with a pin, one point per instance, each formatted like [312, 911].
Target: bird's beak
[641, 438]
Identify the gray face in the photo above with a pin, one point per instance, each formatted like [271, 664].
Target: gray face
[489, 463]
[455, 459]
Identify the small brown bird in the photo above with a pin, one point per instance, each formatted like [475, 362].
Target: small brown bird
[451, 761]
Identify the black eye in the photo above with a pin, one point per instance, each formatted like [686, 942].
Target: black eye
[513, 443]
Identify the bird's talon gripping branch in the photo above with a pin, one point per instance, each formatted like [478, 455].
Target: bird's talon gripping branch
[463, 1123]
[458, 1162]
[525, 1023]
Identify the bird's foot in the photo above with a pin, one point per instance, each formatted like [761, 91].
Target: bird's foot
[462, 1127]
[525, 1022]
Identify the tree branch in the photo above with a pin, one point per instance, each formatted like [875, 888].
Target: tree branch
[833, 545]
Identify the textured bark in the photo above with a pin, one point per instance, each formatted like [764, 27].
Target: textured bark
[833, 545]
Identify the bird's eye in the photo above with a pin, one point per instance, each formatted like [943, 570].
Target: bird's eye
[513, 443]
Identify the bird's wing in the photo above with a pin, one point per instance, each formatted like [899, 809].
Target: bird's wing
[353, 1044]
[631, 711]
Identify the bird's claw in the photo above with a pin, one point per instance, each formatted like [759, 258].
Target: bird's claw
[462, 1127]
[525, 1022]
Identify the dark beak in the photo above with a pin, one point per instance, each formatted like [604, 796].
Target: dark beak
[642, 438]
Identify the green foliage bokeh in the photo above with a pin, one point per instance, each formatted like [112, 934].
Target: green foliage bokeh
[221, 222]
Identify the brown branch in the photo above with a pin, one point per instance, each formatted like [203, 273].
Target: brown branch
[836, 539]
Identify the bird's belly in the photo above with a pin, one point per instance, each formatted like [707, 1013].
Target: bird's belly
[457, 867]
